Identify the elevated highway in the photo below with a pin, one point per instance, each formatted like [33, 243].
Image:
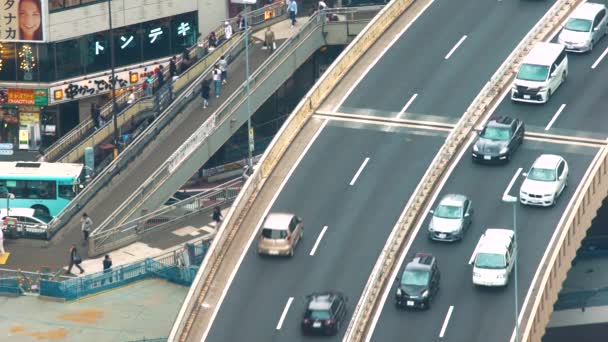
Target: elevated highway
[383, 130]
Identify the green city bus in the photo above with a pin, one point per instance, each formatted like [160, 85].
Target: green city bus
[46, 187]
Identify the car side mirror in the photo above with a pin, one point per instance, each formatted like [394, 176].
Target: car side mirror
[553, 74]
[467, 215]
[431, 212]
[595, 29]
[299, 219]
[524, 174]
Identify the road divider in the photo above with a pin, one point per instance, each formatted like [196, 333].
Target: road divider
[490, 95]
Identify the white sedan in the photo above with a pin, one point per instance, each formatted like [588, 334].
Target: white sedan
[546, 180]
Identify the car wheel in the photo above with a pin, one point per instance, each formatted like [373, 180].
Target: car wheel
[291, 252]
[549, 94]
[590, 46]
[41, 209]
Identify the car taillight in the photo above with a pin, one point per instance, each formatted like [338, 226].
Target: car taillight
[329, 321]
[288, 237]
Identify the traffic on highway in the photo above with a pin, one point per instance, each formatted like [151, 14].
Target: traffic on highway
[467, 268]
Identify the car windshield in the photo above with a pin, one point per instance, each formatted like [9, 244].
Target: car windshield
[448, 211]
[415, 278]
[533, 72]
[42, 216]
[319, 314]
[269, 233]
[490, 260]
[578, 25]
[496, 133]
[543, 175]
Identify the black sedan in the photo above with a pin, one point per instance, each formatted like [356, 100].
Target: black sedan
[498, 140]
[419, 282]
[325, 312]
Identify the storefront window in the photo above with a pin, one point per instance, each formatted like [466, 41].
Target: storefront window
[46, 61]
[156, 37]
[27, 62]
[9, 125]
[183, 31]
[8, 67]
[69, 63]
[127, 42]
[98, 52]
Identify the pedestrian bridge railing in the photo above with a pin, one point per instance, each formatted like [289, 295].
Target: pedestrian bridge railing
[178, 266]
[103, 241]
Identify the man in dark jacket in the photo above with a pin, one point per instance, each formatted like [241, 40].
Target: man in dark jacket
[75, 260]
[205, 91]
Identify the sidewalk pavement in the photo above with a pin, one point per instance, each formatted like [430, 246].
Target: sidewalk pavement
[31, 255]
[157, 243]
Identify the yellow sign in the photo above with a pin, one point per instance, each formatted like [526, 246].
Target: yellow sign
[32, 118]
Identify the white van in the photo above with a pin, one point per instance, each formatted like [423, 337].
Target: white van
[543, 70]
[27, 218]
[495, 255]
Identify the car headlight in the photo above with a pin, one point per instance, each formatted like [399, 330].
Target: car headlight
[425, 293]
[475, 148]
[548, 195]
[475, 274]
[398, 291]
[504, 150]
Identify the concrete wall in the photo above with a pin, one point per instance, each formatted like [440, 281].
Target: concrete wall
[94, 18]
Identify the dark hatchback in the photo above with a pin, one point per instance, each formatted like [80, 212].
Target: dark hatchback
[418, 283]
[325, 313]
[498, 140]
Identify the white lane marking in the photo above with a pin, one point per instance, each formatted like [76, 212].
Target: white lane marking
[455, 47]
[541, 265]
[508, 189]
[284, 314]
[254, 233]
[352, 182]
[388, 47]
[599, 59]
[446, 321]
[407, 105]
[314, 248]
[559, 111]
[387, 290]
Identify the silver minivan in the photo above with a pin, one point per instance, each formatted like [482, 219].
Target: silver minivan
[584, 28]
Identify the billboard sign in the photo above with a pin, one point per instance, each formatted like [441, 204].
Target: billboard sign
[22, 20]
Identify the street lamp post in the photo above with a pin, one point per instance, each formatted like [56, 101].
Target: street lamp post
[113, 75]
[247, 89]
[513, 200]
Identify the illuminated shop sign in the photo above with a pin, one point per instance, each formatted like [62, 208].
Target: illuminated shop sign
[32, 97]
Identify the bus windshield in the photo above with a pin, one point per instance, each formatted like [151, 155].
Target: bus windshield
[46, 187]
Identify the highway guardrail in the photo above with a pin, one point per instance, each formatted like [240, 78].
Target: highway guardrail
[477, 112]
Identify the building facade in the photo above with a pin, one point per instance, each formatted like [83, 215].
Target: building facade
[56, 57]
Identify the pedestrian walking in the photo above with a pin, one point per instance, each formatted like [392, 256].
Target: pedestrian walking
[2, 252]
[227, 30]
[322, 5]
[217, 80]
[205, 90]
[212, 41]
[223, 64]
[107, 267]
[269, 40]
[292, 8]
[95, 115]
[241, 20]
[75, 260]
[86, 224]
[217, 216]
[131, 98]
[160, 74]
[173, 67]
